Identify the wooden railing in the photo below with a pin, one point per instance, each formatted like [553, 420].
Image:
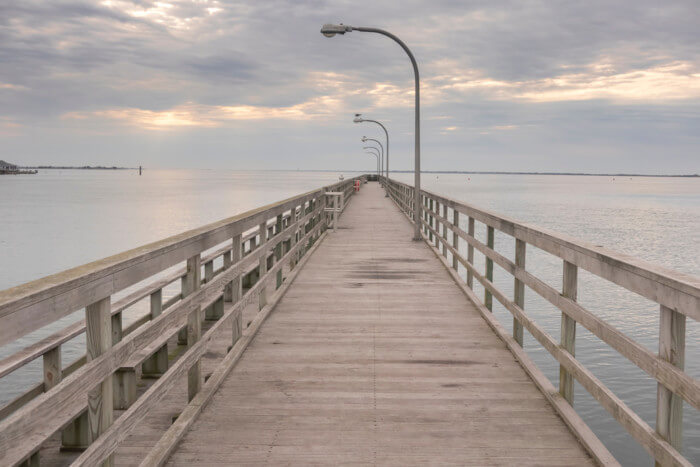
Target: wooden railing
[677, 296]
[80, 398]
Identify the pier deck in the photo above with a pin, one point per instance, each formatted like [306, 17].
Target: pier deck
[375, 356]
[271, 337]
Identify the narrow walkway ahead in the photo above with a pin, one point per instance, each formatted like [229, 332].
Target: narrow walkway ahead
[374, 356]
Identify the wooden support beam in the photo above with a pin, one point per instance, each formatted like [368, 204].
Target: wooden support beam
[156, 365]
[455, 238]
[194, 328]
[488, 298]
[568, 331]
[209, 314]
[262, 297]
[669, 406]
[470, 253]
[278, 249]
[98, 322]
[190, 282]
[519, 290]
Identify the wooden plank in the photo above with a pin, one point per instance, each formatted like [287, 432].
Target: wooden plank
[138, 411]
[654, 444]
[372, 374]
[98, 322]
[568, 331]
[488, 299]
[664, 372]
[669, 406]
[518, 290]
[45, 300]
[675, 290]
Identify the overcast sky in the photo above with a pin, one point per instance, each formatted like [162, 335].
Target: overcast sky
[593, 85]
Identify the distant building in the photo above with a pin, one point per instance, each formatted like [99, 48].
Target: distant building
[7, 166]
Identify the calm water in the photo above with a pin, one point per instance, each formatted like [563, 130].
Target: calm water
[59, 219]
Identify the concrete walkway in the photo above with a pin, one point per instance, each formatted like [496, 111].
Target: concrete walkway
[374, 356]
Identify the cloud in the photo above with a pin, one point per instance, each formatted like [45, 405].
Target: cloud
[498, 70]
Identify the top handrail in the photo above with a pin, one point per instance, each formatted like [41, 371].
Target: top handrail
[676, 290]
[32, 305]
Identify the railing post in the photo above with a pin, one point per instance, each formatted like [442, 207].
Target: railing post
[444, 231]
[98, 329]
[52, 376]
[278, 249]
[194, 327]
[431, 219]
[488, 299]
[124, 384]
[157, 364]
[669, 406]
[470, 253]
[262, 268]
[568, 331]
[455, 238]
[232, 292]
[519, 290]
[211, 311]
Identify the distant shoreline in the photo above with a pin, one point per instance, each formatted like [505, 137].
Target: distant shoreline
[85, 167]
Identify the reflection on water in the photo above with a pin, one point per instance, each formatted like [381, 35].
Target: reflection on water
[63, 218]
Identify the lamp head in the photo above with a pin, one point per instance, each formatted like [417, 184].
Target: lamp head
[358, 118]
[330, 30]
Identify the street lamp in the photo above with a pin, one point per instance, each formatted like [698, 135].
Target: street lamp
[365, 139]
[375, 155]
[358, 119]
[330, 30]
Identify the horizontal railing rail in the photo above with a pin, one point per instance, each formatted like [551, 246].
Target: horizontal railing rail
[79, 399]
[677, 295]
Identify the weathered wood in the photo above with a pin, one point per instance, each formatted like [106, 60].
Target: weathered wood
[375, 381]
[568, 331]
[43, 301]
[669, 406]
[455, 238]
[488, 299]
[194, 327]
[584, 434]
[444, 231]
[40, 418]
[678, 381]
[52, 368]
[98, 331]
[262, 297]
[128, 420]
[673, 289]
[652, 442]
[208, 276]
[470, 253]
[278, 249]
[519, 290]
[156, 365]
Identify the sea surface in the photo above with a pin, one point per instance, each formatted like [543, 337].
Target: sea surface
[59, 219]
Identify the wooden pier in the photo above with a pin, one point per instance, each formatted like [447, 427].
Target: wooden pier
[315, 331]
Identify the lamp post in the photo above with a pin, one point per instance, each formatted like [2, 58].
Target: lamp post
[358, 119]
[375, 155]
[365, 139]
[330, 30]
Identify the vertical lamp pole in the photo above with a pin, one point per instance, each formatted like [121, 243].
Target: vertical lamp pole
[365, 139]
[330, 30]
[358, 119]
[375, 155]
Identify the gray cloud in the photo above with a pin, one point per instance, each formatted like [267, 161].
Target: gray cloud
[521, 85]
